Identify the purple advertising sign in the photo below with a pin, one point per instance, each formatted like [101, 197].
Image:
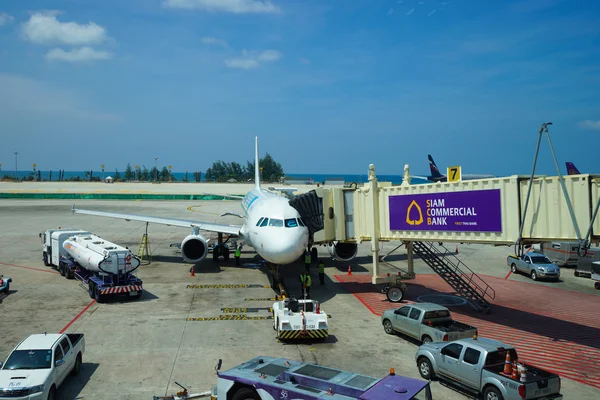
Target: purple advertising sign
[469, 211]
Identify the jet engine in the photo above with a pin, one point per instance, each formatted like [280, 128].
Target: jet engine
[194, 248]
[343, 251]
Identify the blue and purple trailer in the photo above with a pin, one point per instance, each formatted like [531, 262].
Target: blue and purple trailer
[268, 378]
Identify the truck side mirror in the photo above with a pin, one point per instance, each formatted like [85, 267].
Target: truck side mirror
[58, 363]
[1, 364]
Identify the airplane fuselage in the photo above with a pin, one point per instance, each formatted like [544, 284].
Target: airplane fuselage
[273, 227]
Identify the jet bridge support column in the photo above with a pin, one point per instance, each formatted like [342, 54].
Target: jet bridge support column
[374, 225]
[410, 259]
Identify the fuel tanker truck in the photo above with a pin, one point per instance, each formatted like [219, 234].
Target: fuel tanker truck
[104, 267]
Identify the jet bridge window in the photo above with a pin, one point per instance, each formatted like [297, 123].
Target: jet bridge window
[276, 222]
[291, 223]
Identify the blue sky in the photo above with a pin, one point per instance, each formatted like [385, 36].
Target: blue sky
[329, 86]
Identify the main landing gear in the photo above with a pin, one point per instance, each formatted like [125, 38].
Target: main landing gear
[221, 249]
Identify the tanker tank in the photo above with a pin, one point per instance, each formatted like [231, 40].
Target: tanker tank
[98, 255]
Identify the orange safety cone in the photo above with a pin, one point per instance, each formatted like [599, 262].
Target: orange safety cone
[456, 249]
[523, 373]
[349, 270]
[192, 272]
[507, 365]
[515, 373]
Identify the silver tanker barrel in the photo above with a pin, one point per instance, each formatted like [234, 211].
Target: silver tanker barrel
[98, 255]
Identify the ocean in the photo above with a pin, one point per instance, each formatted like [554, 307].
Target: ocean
[180, 176]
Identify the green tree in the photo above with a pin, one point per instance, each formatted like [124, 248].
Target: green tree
[165, 175]
[128, 172]
[145, 174]
[117, 175]
[209, 175]
[272, 170]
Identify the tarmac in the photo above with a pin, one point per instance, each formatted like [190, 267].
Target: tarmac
[136, 349]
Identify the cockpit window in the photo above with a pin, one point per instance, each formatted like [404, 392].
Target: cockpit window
[265, 222]
[259, 221]
[301, 222]
[275, 222]
[291, 223]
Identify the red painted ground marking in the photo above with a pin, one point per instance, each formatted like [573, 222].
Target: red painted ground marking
[509, 272]
[35, 269]
[77, 316]
[552, 328]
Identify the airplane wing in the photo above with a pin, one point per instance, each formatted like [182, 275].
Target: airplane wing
[206, 226]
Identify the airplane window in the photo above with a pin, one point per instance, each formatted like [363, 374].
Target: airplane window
[291, 223]
[265, 222]
[276, 222]
[259, 221]
[301, 222]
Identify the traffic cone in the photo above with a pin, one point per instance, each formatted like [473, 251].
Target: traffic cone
[515, 373]
[349, 270]
[192, 272]
[523, 374]
[456, 249]
[507, 365]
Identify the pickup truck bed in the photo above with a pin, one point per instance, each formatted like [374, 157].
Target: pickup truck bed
[451, 326]
[75, 338]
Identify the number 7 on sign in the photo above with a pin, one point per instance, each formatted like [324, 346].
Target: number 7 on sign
[454, 174]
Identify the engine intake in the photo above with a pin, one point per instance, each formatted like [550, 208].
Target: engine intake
[194, 248]
[343, 251]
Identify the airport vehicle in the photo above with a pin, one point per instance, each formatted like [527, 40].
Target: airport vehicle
[584, 263]
[268, 378]
[563, 254]
[299, 319]
[270, 225]
[485, 366]
[426, 322]
[106, 268]
[436, 176]
[39, 364]
[5, 283]
[596, 274]
[536, 265]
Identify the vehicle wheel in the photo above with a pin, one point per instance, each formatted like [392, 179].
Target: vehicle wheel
[99, 298]
[7, 288]
[52, 393]
[597, 285]
[394, 294]
[91, 290]
[387, 327]
[576, 273]
[77, 366]
[491, 393]
[513, 268]
[425, 369]
[427, 339]
[46, 259]
[61, 269]
[533, 275]
[246, 394]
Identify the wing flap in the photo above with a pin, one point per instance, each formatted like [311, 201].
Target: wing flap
[206, 226]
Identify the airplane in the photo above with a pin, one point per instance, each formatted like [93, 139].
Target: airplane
[270, 225]
[572, 169]
[436, 176]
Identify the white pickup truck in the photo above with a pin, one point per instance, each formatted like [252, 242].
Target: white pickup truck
[37, 367]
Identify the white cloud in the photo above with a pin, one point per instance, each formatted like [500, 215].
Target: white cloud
[22, 98]
[82, 54]
[44, 28]
[589, 124]
[252, 60]
[390, 12]
[232, 6]
[214, 41]
[305, 60]
[412, 10]
[5, 19]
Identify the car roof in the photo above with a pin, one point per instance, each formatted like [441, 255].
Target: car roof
[39, 341]
[486, 344]
[427, 306]
[531, 253]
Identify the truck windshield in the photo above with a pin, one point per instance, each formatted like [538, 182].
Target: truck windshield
[540, 260]
[29, 359]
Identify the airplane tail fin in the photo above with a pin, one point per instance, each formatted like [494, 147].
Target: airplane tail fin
[435, 172]
[572, 169]
[256, 166]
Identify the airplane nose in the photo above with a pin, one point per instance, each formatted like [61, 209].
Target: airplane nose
[287, 248]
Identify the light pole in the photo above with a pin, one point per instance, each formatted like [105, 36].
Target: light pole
[156, 167]
[16, 165]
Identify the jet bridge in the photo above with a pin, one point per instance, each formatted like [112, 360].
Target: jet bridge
[515, 210]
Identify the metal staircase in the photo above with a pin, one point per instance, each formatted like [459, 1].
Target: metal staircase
[467, 284]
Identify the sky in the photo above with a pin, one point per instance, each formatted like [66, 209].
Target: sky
[328, 86]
